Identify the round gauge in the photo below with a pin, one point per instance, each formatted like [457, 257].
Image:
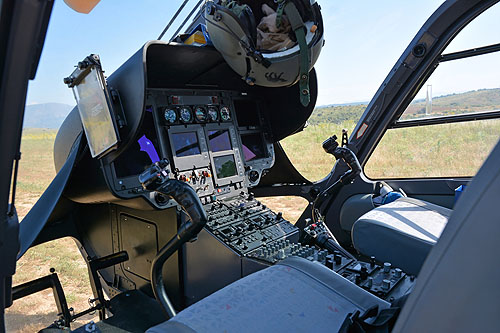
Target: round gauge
[225, 114]
[213, 113]
[201, 114]
[186, 115]
[170, 116]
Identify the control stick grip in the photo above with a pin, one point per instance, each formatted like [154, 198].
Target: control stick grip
[155, 178]
[326, 242]
[188, 199]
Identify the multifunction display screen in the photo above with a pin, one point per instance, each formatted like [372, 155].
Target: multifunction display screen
[253, 146]
[95, 114]
[225, 166]
[185, 144]
[219, 140]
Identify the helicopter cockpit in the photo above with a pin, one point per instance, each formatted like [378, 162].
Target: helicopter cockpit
[159, 171]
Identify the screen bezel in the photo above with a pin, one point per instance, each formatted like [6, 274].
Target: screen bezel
[235, 151]
[183, 163]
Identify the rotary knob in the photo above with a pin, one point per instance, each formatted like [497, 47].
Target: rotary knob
[386, 284]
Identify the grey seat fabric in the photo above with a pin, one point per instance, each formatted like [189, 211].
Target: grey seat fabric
[457, 289]
[288, 297]
[401, 232]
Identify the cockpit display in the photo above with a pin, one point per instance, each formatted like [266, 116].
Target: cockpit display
[253, 146]
[219, 140]
[95, 113]
[185, 144]
[225, 166]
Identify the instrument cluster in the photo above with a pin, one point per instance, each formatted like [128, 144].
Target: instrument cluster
[197, 114]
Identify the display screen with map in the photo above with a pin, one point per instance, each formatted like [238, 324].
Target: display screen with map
[95, 114]
[225, 166]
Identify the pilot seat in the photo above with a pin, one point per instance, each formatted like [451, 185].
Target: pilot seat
[295, 295]
[402, 232]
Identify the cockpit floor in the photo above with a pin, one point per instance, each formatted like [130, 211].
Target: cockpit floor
[133, 312]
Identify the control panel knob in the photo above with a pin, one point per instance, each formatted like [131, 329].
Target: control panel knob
[160, 199]
[253, 176]
[364, 273]
[372, 261]
[357, 279]
[281, 254]
[397, 273]
[279, 216]
[387, 267]
[386, 284]
[337, 258]
[329, 263]
[369, 283]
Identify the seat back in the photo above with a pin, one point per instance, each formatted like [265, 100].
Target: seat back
[458, 286]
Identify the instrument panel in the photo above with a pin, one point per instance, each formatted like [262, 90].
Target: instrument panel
[216, 141]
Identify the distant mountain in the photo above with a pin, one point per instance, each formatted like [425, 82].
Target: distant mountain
[470, 101]
[46, 115]
[341, 104]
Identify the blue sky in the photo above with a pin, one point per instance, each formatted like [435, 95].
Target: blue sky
[363, 41]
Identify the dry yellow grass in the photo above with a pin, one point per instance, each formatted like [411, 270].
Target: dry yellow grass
[32, 313]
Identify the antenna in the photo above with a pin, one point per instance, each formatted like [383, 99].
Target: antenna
[428, 100]
[173, 19]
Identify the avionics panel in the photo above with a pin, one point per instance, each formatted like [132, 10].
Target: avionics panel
[199, 132]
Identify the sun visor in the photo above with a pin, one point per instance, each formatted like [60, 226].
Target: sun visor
[160, 65]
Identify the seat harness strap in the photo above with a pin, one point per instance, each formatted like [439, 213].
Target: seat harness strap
[383, 322]
[299, 29]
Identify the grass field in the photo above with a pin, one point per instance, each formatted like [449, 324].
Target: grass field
[35, 312]
[451, 149]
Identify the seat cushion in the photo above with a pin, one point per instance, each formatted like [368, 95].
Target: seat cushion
[295, 295]
[401, 232]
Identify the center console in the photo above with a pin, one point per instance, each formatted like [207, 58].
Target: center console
[219, 143]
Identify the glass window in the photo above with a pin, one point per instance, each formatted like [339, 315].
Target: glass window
[292, 207]
[444, 150]
[457, 87]
[306, 153]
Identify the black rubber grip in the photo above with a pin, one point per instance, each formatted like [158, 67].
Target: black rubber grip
[186, 197]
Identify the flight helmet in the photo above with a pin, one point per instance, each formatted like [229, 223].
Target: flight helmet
[268, 43]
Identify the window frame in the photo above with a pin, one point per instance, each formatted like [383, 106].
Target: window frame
[438, 120]
[472, 116]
